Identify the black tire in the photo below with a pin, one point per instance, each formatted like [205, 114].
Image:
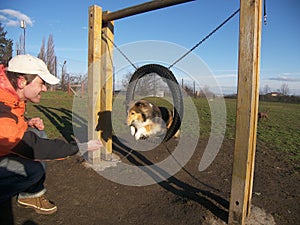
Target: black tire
[174, 87]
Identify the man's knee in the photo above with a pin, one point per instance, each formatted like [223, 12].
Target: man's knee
[20, 175]
[32, 170]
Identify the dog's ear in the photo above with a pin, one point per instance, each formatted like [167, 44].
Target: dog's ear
[140, 104]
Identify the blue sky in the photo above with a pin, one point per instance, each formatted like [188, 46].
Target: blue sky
[184, 25]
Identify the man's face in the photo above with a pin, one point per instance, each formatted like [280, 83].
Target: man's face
[32, 91]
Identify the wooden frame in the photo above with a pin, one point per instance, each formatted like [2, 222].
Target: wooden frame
[100, 88]
[247, 110]
[100, 70]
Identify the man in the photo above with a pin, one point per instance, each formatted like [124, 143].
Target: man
[24, 144]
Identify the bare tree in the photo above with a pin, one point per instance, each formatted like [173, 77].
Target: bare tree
[188, 89]
[18, 46]
[266, 89]
[284, 89]
[42, 53]
[126, 80]
[51, 55]
[208, 93]
[64, 76]
[149, 85]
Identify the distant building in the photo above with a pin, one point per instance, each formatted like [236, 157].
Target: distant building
[274, 94]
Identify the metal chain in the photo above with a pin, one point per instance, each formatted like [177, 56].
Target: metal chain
[204, 39]
[122, 53]
[265, 12]
[188, 52]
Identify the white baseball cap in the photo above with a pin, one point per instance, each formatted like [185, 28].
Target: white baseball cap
[29, 64]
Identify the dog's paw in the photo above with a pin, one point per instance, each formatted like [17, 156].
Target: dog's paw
[141, 134]
[132, 130]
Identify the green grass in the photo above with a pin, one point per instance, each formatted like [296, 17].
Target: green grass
[281, 132]
[54, 109]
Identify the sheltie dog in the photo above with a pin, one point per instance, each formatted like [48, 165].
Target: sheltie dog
[148, 120]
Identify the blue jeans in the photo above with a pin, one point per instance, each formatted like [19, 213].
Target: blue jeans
[21, 176]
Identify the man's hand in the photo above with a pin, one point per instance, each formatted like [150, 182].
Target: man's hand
[36, 123]
[89, 146]
[93, 145]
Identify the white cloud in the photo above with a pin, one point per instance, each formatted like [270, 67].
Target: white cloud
[11, 18]
[226, 76]
[285, 78]
[2, 18]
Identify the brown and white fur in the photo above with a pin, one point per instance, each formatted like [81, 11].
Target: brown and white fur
[147, 120]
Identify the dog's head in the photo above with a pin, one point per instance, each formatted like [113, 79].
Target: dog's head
[139, 111]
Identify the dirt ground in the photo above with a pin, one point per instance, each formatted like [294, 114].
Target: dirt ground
[189, 197]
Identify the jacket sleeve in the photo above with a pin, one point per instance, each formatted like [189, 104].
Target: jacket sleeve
[36, 148]
[12, 128]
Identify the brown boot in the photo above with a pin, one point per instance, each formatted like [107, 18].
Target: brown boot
[40, 204]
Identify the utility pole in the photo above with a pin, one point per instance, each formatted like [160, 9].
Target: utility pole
[63, 76]
[23, 26]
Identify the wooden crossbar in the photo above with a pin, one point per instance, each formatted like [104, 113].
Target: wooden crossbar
[141, 8]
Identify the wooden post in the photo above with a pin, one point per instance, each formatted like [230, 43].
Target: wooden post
[107, 87]
[94, 68]
[246, 112]
[69, 88]
[100, 83]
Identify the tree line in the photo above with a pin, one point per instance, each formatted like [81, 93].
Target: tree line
[47, 54]
[6, 47]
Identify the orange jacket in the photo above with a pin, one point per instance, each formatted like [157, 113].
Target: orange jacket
[12, 122]
[14, 137]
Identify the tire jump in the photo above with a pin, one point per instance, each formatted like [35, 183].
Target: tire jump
[167, 76]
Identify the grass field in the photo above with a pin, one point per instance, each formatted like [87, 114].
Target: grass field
[281, 132]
